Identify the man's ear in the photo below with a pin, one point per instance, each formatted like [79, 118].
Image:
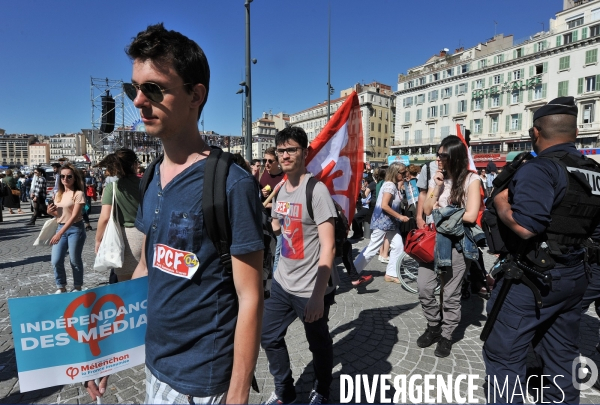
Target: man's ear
[198, 95]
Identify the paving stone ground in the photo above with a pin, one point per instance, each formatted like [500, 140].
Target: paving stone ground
[374, 330]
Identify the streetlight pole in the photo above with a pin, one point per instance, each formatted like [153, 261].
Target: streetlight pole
[248, 138]
[241, 91]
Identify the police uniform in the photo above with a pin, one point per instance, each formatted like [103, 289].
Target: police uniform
[541, 195]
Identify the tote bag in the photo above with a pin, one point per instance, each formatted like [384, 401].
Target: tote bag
[48, 231]
[111, 250]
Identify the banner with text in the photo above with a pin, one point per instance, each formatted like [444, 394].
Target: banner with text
[67, 338]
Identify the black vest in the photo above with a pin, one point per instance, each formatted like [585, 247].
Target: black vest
[578, 214]
[573, 220]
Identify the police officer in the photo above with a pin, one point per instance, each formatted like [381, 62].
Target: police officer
[551, 208]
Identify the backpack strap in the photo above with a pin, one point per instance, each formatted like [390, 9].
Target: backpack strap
[147, 178]
[310, 187]
[214, 204]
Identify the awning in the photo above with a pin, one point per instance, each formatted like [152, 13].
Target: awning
[482, 159]
[482, 165]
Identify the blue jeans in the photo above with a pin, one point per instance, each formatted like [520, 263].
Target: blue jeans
[73, 240]
[280, 311]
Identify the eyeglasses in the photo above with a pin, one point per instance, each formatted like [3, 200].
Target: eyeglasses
[443, 155]
[290, 151]
[269, 160]
[151, 90]
[66, 176]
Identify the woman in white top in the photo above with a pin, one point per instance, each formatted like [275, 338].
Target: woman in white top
[70, 235]
[454, 184]
[385, 223]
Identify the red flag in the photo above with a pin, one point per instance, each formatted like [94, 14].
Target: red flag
[335, 156]
[471, 162]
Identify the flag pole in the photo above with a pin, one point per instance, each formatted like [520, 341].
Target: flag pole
[329, 65]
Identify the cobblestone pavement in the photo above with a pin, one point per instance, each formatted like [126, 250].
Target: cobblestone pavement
[374, 330]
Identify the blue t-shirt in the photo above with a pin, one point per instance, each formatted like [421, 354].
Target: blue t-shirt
[537, 187]
[192, 303]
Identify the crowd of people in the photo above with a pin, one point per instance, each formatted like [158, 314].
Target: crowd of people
[204, 331]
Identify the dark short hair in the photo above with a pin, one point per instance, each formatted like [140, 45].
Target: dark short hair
[254, 161]
[294, 133]
[57, 165]
[164, 47]
[270, 151]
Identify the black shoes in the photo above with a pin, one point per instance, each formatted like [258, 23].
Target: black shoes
[432, 334]
[30, 223]
[444, 347]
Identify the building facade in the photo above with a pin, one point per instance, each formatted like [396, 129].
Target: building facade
[494, 88]
[67, 146]
[263, 133]
[14, 151]
[377, 112]
[39, 153]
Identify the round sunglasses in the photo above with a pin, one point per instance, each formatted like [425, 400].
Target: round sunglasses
[151, 90]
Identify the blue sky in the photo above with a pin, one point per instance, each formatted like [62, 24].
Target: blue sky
[50, 49]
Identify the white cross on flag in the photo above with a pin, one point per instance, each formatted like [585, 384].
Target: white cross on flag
[335, 156]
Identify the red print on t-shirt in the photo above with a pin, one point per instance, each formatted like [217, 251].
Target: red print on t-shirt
[291, 229]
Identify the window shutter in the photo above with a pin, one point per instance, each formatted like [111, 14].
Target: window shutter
[509, 76]
[522, 73]
[472, 104]
[429, 112]
[580, 85]
[531, 71]
[566, 87]
[574, 35]
[558, 38]
[501, 78]
[490, 81]
[471, 125]
[466, 87]
[514, 54]
[545, 67]
[456, 89]
[507, 123]
[544, 90]
[567, 62]
[560, 89]
[521, 96]
[520, 121]
[489, 102]
[535, 48]
[450, 90]
[584, 33]
[597, 82]
[529, 95]
[501, 97]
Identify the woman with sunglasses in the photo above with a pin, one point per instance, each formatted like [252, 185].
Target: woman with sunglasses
[70, 235]
[452, 186]
[385, 223]
[122, 164]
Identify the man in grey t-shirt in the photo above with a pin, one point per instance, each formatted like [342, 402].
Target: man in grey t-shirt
[304, 284]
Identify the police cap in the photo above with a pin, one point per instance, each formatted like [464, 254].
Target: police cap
[560, 105]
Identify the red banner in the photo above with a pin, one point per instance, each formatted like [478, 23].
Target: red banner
[335, 156]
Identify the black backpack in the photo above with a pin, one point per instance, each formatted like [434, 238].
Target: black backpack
[341, 222]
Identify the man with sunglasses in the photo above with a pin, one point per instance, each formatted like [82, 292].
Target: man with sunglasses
[203, 330]
[272, 175]
[549, 209]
